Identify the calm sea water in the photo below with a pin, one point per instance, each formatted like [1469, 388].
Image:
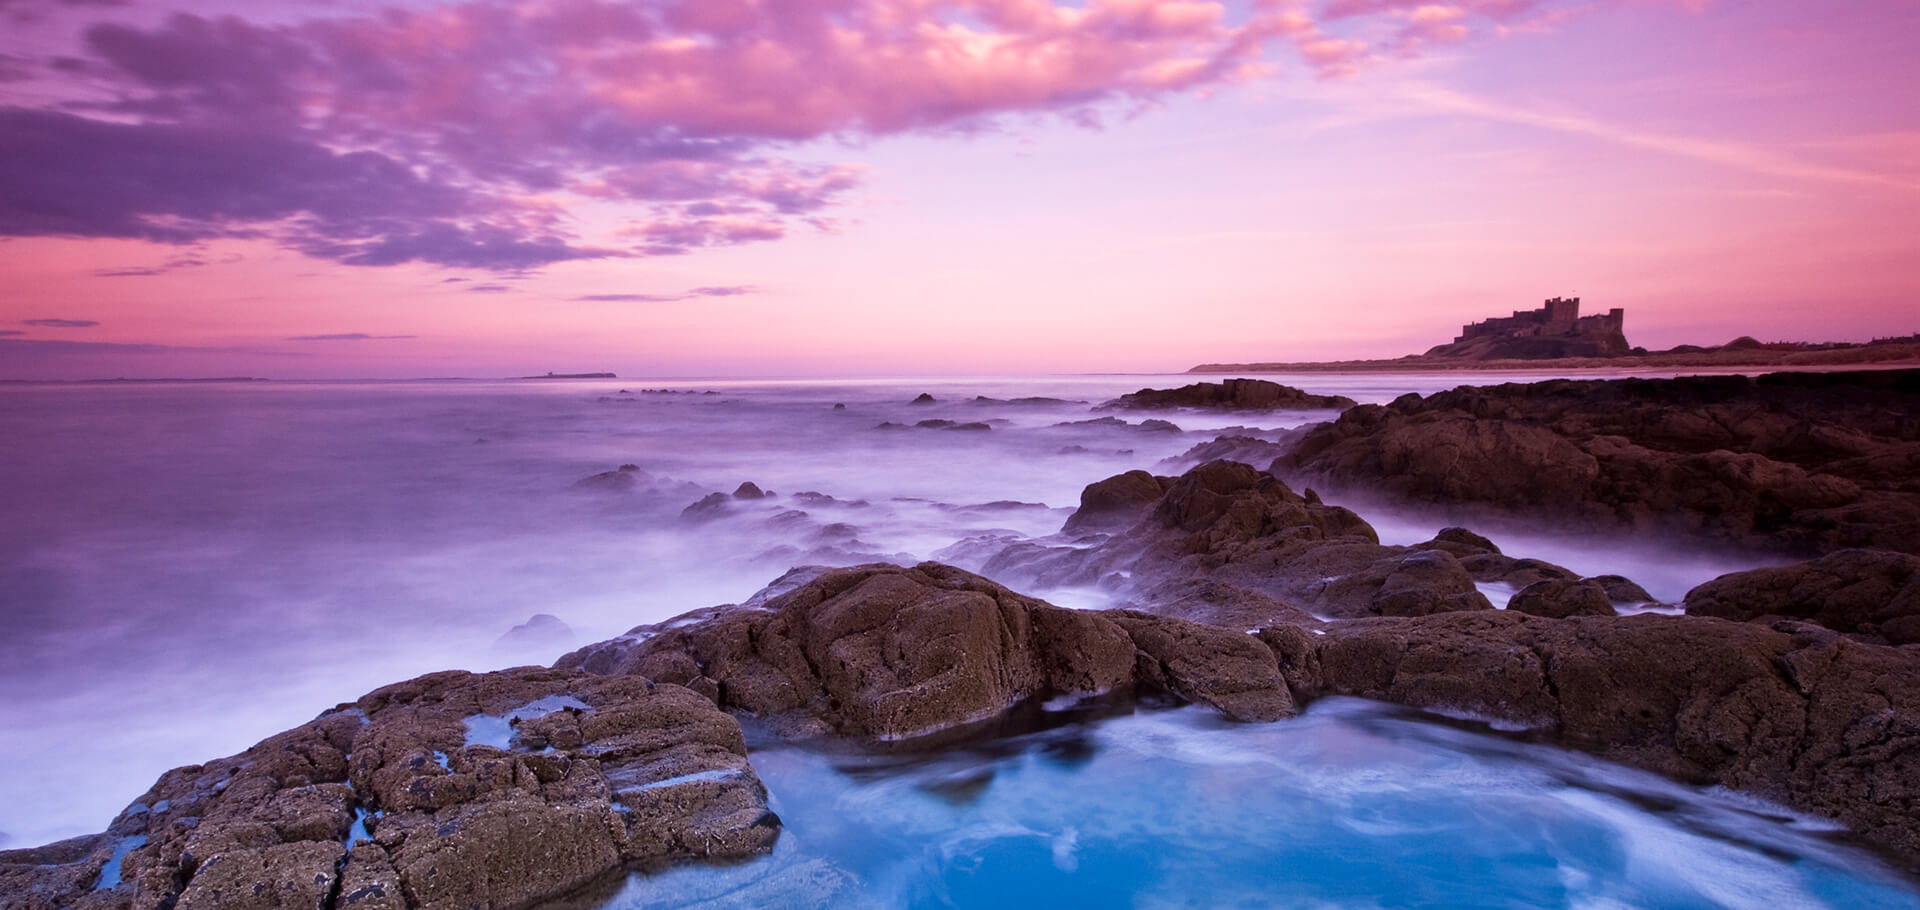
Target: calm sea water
[189, 568]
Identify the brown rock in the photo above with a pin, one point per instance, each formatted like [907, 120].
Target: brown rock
[1558, 598]
[1230, 394]
[1233, 672]
[297, 875]
[1847, 591]
[1118, 501]
[1793, 461]
[604, 771]
[1622, 590]
[1805, 717]
[887, 653]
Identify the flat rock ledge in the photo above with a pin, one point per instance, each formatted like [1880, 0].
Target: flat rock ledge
[451, 790]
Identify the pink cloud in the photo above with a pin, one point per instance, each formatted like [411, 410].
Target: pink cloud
[469, 133]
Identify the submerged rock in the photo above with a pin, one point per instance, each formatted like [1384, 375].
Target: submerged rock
[1230, 394]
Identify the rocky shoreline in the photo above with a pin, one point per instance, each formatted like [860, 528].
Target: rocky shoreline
[1799, 684]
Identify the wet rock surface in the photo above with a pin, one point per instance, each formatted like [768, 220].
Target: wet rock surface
[1808, 462]
[1230, 394]
[453, 789]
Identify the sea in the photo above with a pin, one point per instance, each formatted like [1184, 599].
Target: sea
[186, 568]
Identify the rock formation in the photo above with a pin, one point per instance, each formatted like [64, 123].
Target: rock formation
[454, 789]
[886, 653]
[1791, 461]
[1869, 592]
[1230, 394]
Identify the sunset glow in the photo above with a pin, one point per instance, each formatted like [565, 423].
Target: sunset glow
[410, 188]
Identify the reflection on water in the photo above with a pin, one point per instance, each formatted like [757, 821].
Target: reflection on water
[187, 569]
[1355, 804]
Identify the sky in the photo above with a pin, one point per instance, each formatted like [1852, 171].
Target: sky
[760, 188]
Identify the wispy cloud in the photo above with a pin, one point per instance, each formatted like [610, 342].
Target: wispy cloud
[61, 323]
[488, 288]
[53, 347]
[350, 336]
[1714, 151]
[707, 291]
[172, 265]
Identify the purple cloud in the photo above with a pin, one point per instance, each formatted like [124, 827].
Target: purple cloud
[350, 336]
[464, 135]
[710, 291]
[146, 271]
[25, 347]
[61, 323]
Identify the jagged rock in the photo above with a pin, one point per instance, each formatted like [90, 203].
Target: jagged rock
[709, 506]
[1793, 461]
[1560, 598]
[1233, 394]
[1848, 591]
[600, 772]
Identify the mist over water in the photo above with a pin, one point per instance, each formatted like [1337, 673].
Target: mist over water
[189, 568]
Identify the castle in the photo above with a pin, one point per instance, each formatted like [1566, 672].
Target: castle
[1554, 330]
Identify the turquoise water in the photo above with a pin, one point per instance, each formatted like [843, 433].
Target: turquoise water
[1355, 804]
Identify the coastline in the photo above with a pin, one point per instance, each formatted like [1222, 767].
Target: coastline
[1863, 357]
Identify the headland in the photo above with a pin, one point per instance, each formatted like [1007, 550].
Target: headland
[1556, 337]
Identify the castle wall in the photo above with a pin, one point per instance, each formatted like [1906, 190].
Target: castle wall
[1556, 329]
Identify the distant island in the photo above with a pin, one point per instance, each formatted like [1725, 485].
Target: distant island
[1557, 336]
[572, 376]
